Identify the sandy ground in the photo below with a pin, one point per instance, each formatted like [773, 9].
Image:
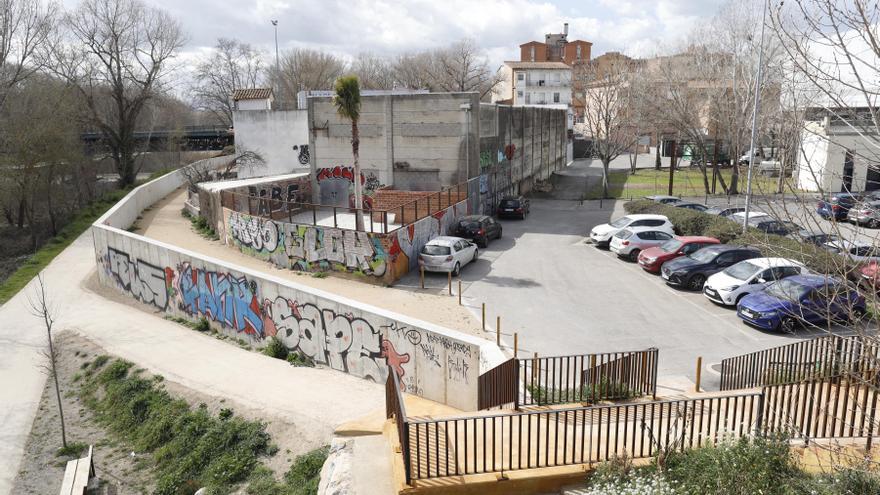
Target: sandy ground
[164, 222]
[41, 470]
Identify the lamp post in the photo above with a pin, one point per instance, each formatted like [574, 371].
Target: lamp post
[277, 72]
[755, 120]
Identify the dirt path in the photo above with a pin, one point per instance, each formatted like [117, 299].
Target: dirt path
[164, 222]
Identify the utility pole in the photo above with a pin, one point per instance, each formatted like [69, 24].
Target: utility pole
[277, 71]
[755, 121]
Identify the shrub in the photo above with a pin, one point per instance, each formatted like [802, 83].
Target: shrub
[276, 349]
[203, 325]
[300, 361]
[73, 449]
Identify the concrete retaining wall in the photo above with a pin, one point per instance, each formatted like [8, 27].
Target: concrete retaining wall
[433, 362]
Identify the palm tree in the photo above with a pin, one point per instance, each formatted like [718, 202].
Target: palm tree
[348, 105]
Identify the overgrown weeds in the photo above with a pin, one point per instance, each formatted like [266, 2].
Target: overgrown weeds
[200, 224]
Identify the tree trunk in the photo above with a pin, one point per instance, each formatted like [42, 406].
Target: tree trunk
[734, 174]
[605, 164]
[358, 193]
[57, 389]
[657, 161]
[21, 207]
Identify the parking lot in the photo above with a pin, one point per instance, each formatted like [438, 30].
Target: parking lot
[565, 296]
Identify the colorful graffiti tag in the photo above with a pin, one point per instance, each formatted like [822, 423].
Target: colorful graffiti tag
[145, 282]
[253, 232]
[336, 185]
[308, 248]
[220, 297]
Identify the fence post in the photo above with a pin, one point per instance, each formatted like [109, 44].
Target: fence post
[498, 331]
[516, 380]
[449, 281]
[385, 221]
[334, 219]
[535, 368]
[422, 276]
[484, 317]
[759, 419]
[593, 377]
[314, 215]
[459, 292]
[699, 370]
[515, 344]
[656, 367]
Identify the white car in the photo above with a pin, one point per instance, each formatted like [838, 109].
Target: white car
[854, 250]
[753, 275]
[629, 242]
[601, 234]
[739, 217]
[447, 254]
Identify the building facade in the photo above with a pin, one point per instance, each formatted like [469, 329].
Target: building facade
[838, 155]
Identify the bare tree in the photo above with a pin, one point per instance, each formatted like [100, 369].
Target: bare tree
[304, 69]
[232, 65]
[373, 71]
[25, 27]
[461, 67]
[412, 70]
[117, 54]
[608, 114]
[42, 308]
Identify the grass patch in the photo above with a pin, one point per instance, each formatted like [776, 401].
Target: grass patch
[200, 224]
[276, 349]
[301, 479]
[73, 449]
[604, 390]
[319, 275]
[686, 182]
[300, 361]
[80, 222]
[190, 448]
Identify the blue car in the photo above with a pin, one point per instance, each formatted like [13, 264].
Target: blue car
[811, 299]
[836, 206]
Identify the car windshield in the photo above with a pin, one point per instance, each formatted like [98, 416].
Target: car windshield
[434, 250]
[703, 255]
[621, 222]
[510, 203]
[470, 224]
[787, 290]
[714, 209]
[671, 246]
[742, 271]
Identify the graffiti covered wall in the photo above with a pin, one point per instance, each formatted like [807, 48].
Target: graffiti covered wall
[336, 186]
[387, 257]
[334, 332]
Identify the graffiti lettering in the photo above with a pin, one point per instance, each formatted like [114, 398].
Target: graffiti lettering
[253, 232]
[145, 282]
[485, 159]
[303, 154]
[411, 334]
[449, 344]
[510, 151]
[220, 297]
[457, 369]
[325, 247]
[337, 186]
[430, 353]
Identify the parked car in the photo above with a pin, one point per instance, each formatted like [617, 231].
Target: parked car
[692, 271]
[601, 234]
[662, 198]
[746, 277]
[854, 250]
[865, 213]
[513, 207]
[836, 206]
[740, 216]
[724, 211]
[653, 258]
[869, 275]
[813, 299]
[690, 206]
[478, 228]
[447, 254]
[628, 243]
[815, 238]
[770, 225]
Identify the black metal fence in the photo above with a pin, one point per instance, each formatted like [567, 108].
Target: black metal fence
[588, 377]
[498, 386]
[822, 357]
[396, 408]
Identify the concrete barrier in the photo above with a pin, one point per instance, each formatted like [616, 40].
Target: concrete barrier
[433, 362]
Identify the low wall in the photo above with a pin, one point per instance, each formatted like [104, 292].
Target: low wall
[381, 257]
[433, 362]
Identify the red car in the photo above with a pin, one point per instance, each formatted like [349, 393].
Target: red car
[653, 258]
[870, 275]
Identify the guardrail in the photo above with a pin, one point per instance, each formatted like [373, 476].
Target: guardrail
[822, 357]
[395, 408]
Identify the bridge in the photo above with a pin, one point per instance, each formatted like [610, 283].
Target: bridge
[188, 138]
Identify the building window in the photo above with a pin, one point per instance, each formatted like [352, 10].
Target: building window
[528, 98]
[578, 52]
[555, 97]
[532, 52]
[520, 76]
[519, 94]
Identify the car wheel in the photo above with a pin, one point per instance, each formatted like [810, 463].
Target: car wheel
[696, 282]
[500, 231]
[787, 325]
[476, 254]
[634, 255]
[873, 223]
[483, 243]
[456, 270]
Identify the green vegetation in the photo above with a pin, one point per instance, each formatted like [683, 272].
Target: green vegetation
[190, 448]
[203, 325]
[319, 275]
[200, 224]
[276, 349]
[687, 182]
[73, 450]
[81, 221]
[604, 390]
[300, 361]
[765, 466]
[301, 479]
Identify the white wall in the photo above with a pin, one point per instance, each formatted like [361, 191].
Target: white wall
[434, 362]
[281, 137]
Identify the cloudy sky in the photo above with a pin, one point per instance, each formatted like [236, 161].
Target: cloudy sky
[390, 27]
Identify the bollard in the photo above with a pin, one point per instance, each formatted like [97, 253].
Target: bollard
[449, 281]
[484, 317]
[699, 370]
[459, 292]
[515, 344]
[422, 270]
[498, 331]
[535, 368]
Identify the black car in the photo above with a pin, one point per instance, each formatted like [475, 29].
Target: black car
[724, 211]
[513, 207]
[690, 206]
[815, 238]
[770, 225]
[479, 228]
[692, 271]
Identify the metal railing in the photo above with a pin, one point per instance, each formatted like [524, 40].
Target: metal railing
[822, 357]
[582, 435]
[396, 408]
[499, 386]
[375, 220]
[588, 377]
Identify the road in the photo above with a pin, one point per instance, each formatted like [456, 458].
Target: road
[564, 296]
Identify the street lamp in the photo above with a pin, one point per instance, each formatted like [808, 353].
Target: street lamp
[755, 119]
[277, 72]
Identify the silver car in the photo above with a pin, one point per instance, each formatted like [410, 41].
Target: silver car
[865, 213]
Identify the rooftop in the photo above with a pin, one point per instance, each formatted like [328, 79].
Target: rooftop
[536, 65]
[252, 94]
